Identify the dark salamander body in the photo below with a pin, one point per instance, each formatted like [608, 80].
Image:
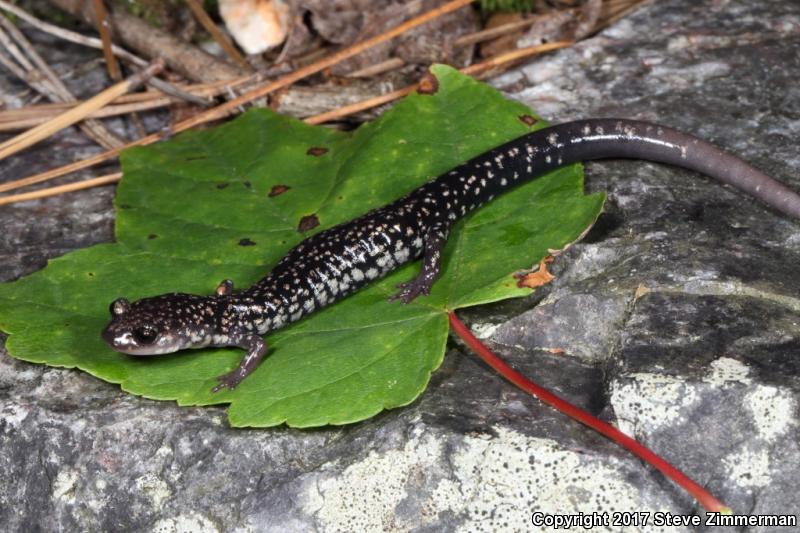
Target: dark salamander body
[336, 262]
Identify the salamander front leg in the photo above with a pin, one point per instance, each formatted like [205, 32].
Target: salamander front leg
[225, 288]
[256, 349]
[431, 265]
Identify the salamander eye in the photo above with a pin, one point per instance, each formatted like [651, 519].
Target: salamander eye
[145, 335]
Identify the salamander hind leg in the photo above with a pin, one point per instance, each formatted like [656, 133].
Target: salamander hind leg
[435, 239]
[256, 349]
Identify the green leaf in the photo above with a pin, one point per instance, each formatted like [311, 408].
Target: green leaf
[198, 209]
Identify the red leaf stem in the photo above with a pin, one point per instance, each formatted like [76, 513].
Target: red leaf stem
[703, 497]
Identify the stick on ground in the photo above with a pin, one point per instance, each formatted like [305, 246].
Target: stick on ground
[68, 35]
[33, 69]
[77, 113]
[101, 16]
[204, 20]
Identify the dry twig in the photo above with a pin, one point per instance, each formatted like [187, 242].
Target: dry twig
[378, 68]
[101, 17]
[37, 73]
[77, 113]
[93, 42]
[68, 35]
[513, 56]
[180, 56]
[61, 189]
[37, 119]
[497, 31]
[203, 18]
[30, 116]
[477, 68]
[8, 62]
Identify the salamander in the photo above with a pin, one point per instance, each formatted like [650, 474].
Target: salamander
[338, 261]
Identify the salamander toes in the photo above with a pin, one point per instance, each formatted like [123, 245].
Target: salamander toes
[228, 381]
[410, 290]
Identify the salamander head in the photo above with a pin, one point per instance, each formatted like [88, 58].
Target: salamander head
[161, 324]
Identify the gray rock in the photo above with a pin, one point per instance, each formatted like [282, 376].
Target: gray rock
[677, 317]
[583, 325]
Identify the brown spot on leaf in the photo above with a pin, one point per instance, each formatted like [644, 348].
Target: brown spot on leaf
[528, 120]
[317, 151]
[428, 84]
[277, 190]
[538, 278]
[246, 242]
[222, 185]
[152, 236]
[307, 223]
[247, 184]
